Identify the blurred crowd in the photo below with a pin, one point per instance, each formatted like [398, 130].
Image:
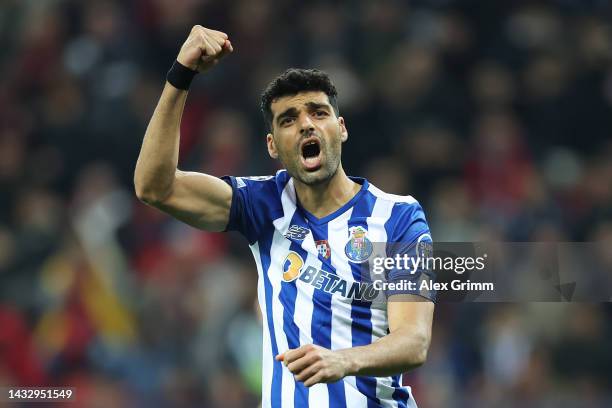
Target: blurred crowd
[495, 115]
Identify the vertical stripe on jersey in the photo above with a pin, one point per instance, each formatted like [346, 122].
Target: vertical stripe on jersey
[341, 307]
[322, 320]
[361, 314]
[304, 306]
[320, 395]
[263, 246]
[280, 249]
[282, 298]
[288, 298]
[267, 362]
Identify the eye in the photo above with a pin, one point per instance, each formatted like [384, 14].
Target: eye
[287, 121]
[320, 113]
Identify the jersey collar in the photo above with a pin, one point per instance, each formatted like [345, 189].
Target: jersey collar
[314, 220]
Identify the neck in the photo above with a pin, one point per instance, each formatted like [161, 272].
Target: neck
[325, 198]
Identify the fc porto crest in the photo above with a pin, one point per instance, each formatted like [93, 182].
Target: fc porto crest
[323, 248]
[358, 248]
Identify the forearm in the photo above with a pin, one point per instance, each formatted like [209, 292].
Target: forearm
[158, 159]
[397, 352]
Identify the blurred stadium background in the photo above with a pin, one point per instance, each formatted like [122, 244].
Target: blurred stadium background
[496, 115]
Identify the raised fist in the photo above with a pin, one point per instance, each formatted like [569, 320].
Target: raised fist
[204, 48]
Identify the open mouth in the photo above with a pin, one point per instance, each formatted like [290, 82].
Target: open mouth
[311, 152]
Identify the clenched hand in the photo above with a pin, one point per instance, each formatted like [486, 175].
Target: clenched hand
[204, 48]
[312, 364]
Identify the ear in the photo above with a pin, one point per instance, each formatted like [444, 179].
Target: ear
[343, 131]
[271, 146]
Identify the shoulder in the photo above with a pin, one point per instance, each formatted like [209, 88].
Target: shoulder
[256, 202]
[263, 195]
[267, 185]
[404, 201]
[406, 219]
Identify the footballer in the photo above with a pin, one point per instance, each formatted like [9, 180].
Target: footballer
[310, 228]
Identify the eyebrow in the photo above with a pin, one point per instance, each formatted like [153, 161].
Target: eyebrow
[316, 105]
[288, 112]
[293, 111]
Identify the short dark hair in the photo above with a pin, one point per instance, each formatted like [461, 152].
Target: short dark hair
[294, 81]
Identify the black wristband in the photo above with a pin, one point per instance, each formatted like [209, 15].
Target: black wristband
[179, 76]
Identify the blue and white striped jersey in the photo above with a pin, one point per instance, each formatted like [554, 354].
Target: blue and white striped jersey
[309, 282]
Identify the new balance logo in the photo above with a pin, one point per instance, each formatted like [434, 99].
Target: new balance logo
[297, 232]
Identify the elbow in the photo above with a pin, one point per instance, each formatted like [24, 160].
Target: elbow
[147, 193]
[143, 195]
[420, 356]
[420, 351]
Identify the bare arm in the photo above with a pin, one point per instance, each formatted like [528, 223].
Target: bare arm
[404, 348]
[195, 198]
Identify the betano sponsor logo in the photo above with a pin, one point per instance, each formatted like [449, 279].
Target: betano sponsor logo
[329, 282]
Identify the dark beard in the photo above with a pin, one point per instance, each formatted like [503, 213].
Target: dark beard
[319, 179]
[322, 176]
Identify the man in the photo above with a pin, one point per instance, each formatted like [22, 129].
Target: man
[310, 228]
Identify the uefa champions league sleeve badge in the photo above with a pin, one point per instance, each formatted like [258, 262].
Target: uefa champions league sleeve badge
[358, 248]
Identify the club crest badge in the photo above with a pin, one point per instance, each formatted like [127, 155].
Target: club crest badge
[358, 248]
[323, 248]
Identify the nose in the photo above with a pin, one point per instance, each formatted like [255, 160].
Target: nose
[306, 125]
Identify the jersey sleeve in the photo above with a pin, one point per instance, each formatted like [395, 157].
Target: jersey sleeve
[411, 240]
[252, 200]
